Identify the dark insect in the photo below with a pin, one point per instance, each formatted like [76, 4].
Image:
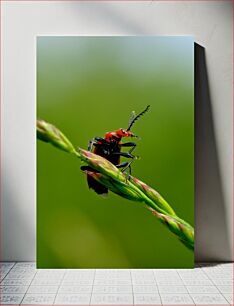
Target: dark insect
[110, 148]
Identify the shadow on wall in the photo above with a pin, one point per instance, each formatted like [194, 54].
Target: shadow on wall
[211, 232]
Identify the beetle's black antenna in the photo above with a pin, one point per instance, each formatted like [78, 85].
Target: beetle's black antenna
[134, 118]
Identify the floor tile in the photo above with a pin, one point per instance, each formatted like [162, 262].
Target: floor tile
[46, 282]
[66, 289]
[13, 289]
[144, 282]
[169, 282]
[7, 264]
[39, 299]
[109, 277]
[74, 277]
[111, 299]
[143, 270]
[23, 270]
[16, 282]
[54, 271]
[225, 289]
[72, 299]
[223, 282]
[50, 276]
[20, 276]
[84, 271]
[147, 299]
[43, 289]
[112, 282]
[196, 282]
[165, 271]
[176, 299]
[113, 274]
[145, 289]
[171, 289]
[4, 270]
[229, 297]
[202, 289]
[11, 299]
[147, 275]
[209, 299]
[220, 276]
[26, 264]
[116, 272]
[77, 282]
[167, 276]
[3, 276]
[112, 289]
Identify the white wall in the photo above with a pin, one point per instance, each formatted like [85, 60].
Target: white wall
[211, 25]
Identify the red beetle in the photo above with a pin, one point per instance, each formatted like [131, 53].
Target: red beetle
[110, 148]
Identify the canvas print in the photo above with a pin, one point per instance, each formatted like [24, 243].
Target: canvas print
[115, 152]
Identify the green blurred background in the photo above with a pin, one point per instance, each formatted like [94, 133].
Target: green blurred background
[87, 86]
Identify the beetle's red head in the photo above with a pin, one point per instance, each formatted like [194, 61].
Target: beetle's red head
[119, 134]
[124, 133]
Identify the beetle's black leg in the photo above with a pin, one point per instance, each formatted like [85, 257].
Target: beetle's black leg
[129, 144]
[91, 144]
[122, 165]
[124, 154]
[128, 166]
[125, 166]
[130, 170]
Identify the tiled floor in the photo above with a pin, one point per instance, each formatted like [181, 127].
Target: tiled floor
[207, 284]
